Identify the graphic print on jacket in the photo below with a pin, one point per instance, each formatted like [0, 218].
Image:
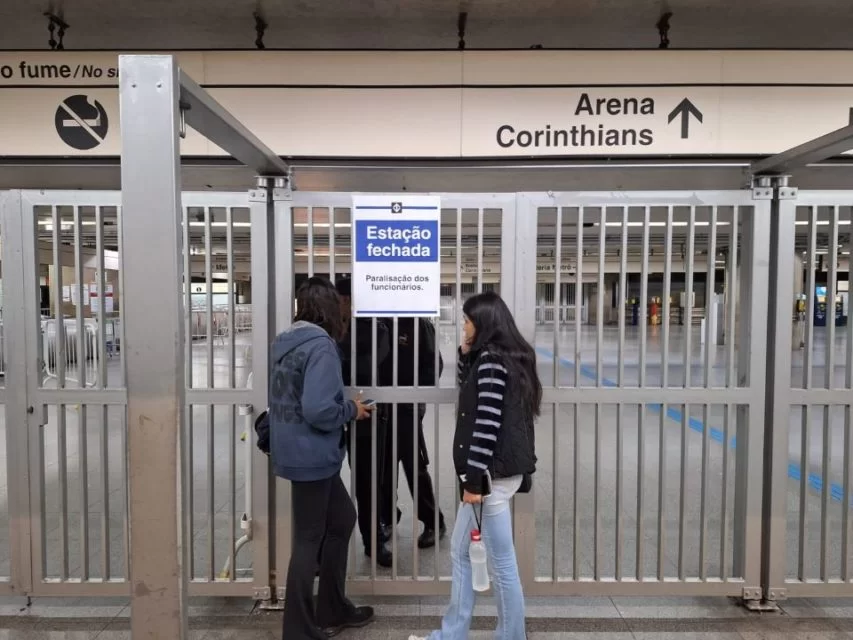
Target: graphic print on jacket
[307, 408]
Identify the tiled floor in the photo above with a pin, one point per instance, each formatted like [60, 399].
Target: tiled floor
[549, 619]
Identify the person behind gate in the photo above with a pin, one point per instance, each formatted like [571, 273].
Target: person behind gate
[307, 414]
[409, 427]
[494, 458]
[361, 443]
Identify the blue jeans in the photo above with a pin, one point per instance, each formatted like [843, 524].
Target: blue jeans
[503, 567]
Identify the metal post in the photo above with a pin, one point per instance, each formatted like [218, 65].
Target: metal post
[282, 198]
[518, 287]
[777, 410]
[20, 422]
[151, 233]
[263, 332]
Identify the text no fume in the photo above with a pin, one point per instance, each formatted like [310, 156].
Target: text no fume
[586, 135]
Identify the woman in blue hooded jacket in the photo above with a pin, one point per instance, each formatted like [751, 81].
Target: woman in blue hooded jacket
[308, 413]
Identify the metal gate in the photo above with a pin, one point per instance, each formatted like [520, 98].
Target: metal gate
[810, 526]
[649, 482]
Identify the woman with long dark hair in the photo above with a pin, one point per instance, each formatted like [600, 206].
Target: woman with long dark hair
[494, 456]
[307, 413]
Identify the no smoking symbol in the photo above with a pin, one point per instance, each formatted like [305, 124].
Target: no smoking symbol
[396, 207]
[82, 123]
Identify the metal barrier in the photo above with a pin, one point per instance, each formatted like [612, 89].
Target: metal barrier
[646, 483]
[810, 526]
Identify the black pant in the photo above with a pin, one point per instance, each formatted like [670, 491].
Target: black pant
[360, 442]
[409, 427]
[323, 514]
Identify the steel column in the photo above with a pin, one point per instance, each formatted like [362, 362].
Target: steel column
[18, 420]
[151, 202]
[284, 280]
[518, 288]
[777, 410]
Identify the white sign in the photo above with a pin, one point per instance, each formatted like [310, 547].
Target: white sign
[396, 255]
[481, 104]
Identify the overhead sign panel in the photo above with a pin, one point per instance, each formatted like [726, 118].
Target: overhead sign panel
[396, 268]
[452, 104]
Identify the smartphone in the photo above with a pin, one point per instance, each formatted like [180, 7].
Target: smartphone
[370, 402]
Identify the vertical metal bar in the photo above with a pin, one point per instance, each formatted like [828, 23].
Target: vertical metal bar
[662, 444]
[599, 320]
[829, 383]
[60, 346]
[555, 444]
[620, 424]
[62, 465]
[479, 251]
[688, 300]
[82, 422]
[576, 470]
[208, 278]
[710, 286]
[374, 440]
[393, 462]
[188, 302]
[846, 520]
[332, 231]
[641, 409]
[805, 428]
[703, 500]
[732, 297]
[103, 416]
[437, 443]
[579, 300]
[596, 501]
[18, 226]
[728, 421]
[232, 383]
[149, 90]
[310, 213]
[414, 453]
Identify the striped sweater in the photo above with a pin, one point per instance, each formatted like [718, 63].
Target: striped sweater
[491, 381]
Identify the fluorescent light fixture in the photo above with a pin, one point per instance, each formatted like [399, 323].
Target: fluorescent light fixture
[322, 225]
[698, 223]
[236, 225]
[822, 223]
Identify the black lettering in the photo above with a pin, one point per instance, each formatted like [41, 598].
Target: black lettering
[65, 71]
[646, 137]
[630, 107]
[561, 138]
[647, 107]
[6, 71]
[524, 139]
[613, 138]
[601, 135]
[584, 105]
[538, 138]
[629, 137]
[505, 129]
[112, 73]
[614, 107]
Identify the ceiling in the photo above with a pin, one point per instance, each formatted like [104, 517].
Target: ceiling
[418, 24]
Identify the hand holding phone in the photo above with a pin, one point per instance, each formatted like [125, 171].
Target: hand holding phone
[364, 407]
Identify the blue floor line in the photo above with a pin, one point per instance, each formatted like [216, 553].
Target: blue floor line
[794, 470]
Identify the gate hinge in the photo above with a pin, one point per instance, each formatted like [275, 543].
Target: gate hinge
[263, 594]
[768, 187]
[751, 594]
[777, 595]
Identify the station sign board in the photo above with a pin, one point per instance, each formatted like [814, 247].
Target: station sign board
[396, 269]
[452, 104]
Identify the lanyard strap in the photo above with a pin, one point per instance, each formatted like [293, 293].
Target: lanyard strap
[478, 519]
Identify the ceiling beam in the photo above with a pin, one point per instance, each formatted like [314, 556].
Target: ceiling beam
[214, 122]
[826, 146]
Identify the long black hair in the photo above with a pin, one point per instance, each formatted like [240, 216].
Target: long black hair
[317, 302]
[498, 334]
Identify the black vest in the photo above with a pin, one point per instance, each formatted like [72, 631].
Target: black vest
[515, 450]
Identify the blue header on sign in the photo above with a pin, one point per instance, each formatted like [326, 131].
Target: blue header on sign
[396, 241]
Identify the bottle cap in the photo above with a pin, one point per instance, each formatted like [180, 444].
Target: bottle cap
[475, 535]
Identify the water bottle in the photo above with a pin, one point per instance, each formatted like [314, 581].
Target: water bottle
[479, 570]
